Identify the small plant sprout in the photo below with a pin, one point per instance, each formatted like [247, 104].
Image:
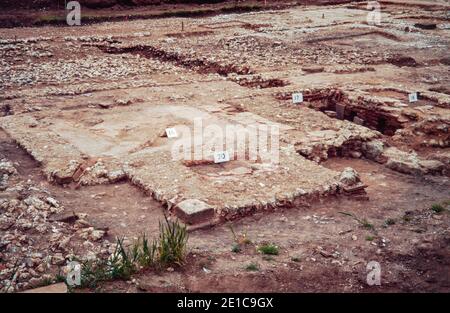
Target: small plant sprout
[269, 249]
[236, 248]
[241, 239]
[437, 208]
[253, 267]
[363, 222]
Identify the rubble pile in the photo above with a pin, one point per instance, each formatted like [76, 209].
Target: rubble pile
[270, 51]
[7, 169]
[38, 236]
[345, 142]
[78, 70]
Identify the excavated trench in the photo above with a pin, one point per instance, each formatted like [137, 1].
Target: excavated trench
[200, 65]
[374, 115]
[353, 35]
[336, 104]
[190, 34]
[362, 112]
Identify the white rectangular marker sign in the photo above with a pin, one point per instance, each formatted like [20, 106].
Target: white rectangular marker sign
[297, 97]
[413, 97]
[221, 157]
[171, 133]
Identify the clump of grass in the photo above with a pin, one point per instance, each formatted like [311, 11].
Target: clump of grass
[367, 224]
[269, 249]
[93, 272]
[123, 261]
[253, 267]
[363, 222]
[437, 208]
[169, 248]
[45, 282]
[121, 264]
[146, 253]
[370, 238]
[236, 248]
[60, 278]
[172, 242]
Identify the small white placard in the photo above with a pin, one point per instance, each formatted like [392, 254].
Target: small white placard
[297, 97]
[413, 97]
[221, 157]
[171, 133]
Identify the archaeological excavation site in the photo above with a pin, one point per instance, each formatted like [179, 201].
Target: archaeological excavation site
[224, 146]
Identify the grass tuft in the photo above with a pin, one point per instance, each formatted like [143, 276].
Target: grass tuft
[236, 248]
[253, 267]
[363, 222]
[172, 242]
[239, 240]
[437, 208]
[269, 249]
[170, 248]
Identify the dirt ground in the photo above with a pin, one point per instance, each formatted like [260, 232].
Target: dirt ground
[83, 112]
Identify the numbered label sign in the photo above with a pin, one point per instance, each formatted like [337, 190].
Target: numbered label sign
[221, 157]
[297, 97]
[413, 97]
[171, 133]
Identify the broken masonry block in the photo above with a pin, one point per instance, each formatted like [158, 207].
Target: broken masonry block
[349, 177]
[193, 211]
